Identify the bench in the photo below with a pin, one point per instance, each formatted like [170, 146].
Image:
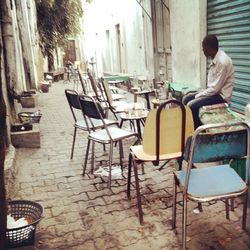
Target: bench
[55, 74]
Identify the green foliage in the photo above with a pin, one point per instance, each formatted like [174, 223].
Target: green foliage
[57, 20]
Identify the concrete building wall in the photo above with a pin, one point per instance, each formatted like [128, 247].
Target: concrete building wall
[114, 36]
[188, 27]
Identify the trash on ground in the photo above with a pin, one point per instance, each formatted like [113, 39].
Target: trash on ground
[116, 172]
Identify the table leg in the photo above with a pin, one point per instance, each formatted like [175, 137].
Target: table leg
[138, 128]
[147, 100]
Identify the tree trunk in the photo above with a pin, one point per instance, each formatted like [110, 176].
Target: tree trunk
[26, 43]
[3, 212]
[15, 76]
[51, 62]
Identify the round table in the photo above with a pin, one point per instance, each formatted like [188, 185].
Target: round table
[146, 94]
[115, 82]
[157, 102]
[135, 115]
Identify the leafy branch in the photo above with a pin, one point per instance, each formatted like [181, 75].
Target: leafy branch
[57, 20]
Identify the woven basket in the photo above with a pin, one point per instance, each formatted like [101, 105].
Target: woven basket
[29, 117]
[23, 236]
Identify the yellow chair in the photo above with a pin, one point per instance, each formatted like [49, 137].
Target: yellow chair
[166, 130]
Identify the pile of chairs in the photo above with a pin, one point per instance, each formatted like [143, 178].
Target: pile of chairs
[94, 121]
[168, 134]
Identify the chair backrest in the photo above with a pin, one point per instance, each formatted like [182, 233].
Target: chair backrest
[93, 84]
[209, 147]
[91, 109]
[166, 129]
[72, 97]
[83, 83]
[107, 92]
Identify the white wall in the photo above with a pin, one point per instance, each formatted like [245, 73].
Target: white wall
[188, 28]
[101, 16]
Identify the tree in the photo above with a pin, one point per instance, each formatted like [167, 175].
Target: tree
[57, 20]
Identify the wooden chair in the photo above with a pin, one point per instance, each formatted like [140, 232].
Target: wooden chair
[165, 132]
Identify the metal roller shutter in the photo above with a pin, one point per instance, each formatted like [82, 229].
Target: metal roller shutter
[229, 20]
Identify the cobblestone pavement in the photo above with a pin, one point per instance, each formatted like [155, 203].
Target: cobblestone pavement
[80, 212]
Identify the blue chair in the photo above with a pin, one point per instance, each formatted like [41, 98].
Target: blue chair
[216, 182]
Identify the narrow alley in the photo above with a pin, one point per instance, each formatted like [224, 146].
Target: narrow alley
[80, 212]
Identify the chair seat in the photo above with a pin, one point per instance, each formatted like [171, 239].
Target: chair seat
[97, 124]
[212, 182]
[115, 133]
[118, 97]
[140, 154]
[81, 125]
[116, 90]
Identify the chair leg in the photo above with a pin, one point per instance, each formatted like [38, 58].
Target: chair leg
[184, 222]
[110, 164]
[121, 154]
[174, 203]
[227, 209]
[179, 161]
[132, 126]
[115, 115]
[138, 195]
[93, 157]
[200, 207]
[129, 175]
[73, 144]
[86, 158]
[121, 123]
[232, 204]
[142, 168]
[244, 216]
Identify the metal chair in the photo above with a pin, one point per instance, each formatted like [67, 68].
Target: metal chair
[98, 90]
[107, 135]
[83, 82]
[72, 98]
[165, 132]
[115, 107]
[216, 182]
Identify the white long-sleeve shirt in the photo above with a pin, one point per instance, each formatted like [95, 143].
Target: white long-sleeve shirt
[220, 77]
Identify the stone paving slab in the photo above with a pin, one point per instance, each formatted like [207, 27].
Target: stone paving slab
[80, 212]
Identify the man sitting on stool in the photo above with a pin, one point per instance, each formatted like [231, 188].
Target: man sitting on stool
[219, 80]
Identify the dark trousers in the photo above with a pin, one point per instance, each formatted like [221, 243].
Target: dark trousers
[196, 103]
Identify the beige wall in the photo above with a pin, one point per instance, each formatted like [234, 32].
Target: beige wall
[101, 18]
[188, 27]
